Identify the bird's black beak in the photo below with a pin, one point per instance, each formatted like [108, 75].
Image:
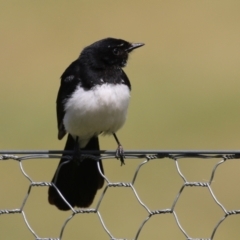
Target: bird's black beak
[134, 46]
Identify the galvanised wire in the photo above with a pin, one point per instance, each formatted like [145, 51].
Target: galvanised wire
[147, 156]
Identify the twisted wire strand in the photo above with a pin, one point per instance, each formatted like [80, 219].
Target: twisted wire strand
[146, 156]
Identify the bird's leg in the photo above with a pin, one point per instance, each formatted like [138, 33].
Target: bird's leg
[119, 151]
[76, 151]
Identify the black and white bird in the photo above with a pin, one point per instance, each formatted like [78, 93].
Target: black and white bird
[93, 99]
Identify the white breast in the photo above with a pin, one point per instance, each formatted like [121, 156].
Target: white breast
[101, 109]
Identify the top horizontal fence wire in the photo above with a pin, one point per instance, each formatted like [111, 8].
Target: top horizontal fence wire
[146, 156]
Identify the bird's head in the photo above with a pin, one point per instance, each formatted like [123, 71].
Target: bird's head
[109, 52]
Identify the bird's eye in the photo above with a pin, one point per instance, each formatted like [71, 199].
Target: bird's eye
[116, 51]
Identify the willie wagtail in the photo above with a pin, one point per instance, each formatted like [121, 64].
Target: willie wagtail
[92, 99]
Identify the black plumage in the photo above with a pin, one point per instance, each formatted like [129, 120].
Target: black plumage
[96, 73]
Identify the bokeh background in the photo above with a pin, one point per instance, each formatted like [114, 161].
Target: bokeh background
[186, 95]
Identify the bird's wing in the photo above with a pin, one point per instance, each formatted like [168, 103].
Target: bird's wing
[69, 81]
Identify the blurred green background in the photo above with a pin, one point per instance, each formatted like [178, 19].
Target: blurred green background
[186, 84]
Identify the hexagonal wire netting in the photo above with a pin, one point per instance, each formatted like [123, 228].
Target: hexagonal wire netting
[146, 156]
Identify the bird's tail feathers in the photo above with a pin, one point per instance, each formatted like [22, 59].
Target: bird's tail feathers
[78, 181]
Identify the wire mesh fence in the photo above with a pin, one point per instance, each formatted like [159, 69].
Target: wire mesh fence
[146, 157]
